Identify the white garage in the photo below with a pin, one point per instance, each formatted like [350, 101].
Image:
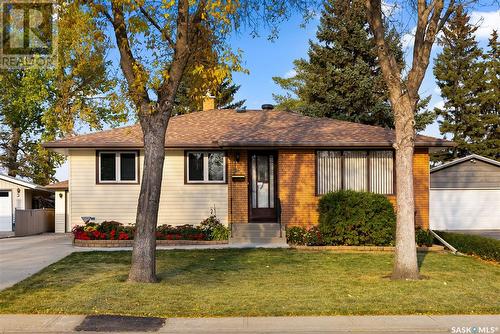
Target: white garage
[17, 194]
[465, 195]
[5, 211]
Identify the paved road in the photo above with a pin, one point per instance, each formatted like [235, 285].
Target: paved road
[24, 256]
[341, 324]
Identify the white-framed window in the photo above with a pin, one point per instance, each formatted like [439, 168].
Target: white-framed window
[355, 170]
[206, 167]
[118, 167]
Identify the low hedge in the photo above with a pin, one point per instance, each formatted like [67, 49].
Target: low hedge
[354, 218]
[485, 248]
[423, 237]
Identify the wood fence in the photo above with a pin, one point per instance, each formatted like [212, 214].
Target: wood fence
[34, 221]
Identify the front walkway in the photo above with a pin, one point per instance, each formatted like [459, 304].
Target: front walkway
[340, 324]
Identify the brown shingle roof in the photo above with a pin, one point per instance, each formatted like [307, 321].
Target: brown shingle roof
[252, 128]
[58, 185]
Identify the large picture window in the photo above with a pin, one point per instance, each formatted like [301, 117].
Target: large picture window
[117, 167]
[355, 170]
[206, 167]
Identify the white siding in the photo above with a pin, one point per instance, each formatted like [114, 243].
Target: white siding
[18, 198]
[464, 209]
[179, 204]
[60, 211]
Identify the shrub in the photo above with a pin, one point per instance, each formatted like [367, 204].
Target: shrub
[348, 217]
[297, 235]
[423, 237]
[182, 232]
[108, 226]
[214, 229]
[486, 248]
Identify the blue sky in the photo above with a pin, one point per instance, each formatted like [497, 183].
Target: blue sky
[265, 59]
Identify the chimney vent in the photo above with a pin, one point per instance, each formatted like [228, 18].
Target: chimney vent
[267, 107]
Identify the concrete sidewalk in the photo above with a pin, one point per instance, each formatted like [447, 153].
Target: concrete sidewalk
[340, 324]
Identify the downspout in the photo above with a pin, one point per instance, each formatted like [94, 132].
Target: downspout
[447, 245]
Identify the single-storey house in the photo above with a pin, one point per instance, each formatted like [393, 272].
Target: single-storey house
[465, 194]
[251, 166]
[17, 194]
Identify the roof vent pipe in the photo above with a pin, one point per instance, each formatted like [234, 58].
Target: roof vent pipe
[267, 107]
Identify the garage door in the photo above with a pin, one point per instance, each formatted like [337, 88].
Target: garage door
[465, 209]
[5, 211]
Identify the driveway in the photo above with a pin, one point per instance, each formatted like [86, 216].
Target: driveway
[24, 256]
[494, 234]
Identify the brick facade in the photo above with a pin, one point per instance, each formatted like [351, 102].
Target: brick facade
[421, 175]
[296, 173]
[238, 187]
[297, 187]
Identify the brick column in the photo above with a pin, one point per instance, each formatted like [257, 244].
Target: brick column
[237, 188]
[421, 174]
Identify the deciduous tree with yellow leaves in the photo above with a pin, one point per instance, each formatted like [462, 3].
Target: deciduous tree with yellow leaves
[158, 43]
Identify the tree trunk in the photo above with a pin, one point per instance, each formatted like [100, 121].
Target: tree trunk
[405, 261]
[143, 267]
[12, 151]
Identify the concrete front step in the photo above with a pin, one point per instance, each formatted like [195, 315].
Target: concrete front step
[257, 233]
[256, 230]
[257, 241]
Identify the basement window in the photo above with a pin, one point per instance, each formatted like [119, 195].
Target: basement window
[118, 167]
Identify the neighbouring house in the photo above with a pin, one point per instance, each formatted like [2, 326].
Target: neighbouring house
[17, 194]
[252, 166]
[61, 206]
[465, 194]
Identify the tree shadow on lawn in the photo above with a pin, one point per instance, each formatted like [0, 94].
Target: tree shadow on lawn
[214, 264]
[420, 259]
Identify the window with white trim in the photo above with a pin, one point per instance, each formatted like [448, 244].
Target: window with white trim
[118, 167]
[206, 167]
[355, 170]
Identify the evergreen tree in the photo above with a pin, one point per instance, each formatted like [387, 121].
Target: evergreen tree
[469, 100]
[342, 77]
[188, 100]
[489, 99]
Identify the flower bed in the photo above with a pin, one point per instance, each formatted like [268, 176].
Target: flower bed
[209, 229]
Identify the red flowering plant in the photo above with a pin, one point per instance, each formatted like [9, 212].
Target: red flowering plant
[112, 230]
[183, 232]
[107, 230]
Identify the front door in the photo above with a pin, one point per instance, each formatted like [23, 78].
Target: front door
[262, 187]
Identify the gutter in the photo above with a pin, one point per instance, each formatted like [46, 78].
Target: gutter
[447, 245]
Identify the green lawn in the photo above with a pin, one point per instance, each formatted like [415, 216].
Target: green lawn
[257, 283]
